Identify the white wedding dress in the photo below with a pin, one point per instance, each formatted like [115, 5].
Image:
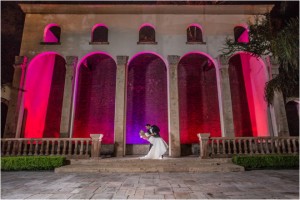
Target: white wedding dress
[159, 147]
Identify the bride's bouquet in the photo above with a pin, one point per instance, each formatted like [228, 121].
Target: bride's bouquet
[142, 134]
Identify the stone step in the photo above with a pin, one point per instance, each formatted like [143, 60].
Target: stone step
[141, 165]
[148, 161]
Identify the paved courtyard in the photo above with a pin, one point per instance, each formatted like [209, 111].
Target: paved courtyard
[258, 184]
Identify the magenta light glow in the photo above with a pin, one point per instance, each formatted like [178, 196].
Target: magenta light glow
[95, 97]
[196, 25]
[147, 24]
[43, 96]
[146, 96]
[244, 37]
[48, 35]
[198, 97]
[247, 80]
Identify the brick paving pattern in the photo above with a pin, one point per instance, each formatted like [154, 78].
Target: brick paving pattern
[257, 184]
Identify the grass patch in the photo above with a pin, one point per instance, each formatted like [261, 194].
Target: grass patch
[267, 161]
[17, 163]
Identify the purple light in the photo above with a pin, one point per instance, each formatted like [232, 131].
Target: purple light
[146, 95]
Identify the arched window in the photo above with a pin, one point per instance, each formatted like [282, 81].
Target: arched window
[194, 34]
[147, 34]
[241, 34]
[99, 34]
[52, 34]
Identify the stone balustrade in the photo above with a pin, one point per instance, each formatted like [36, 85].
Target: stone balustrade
[69, 147]
[228, 146]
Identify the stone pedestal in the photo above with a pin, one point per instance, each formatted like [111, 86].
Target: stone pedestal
[279, 119]
[226, 112]
[71, 63]
[120, 106]
[203, 141]
[174, 136]
[96, 145]
[15, 103]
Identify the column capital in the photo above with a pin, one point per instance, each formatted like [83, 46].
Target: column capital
[122, 60]
[274, 66]
[71, 60]
[223, 61]
[20, 62]
[274, 61]
[173, 59]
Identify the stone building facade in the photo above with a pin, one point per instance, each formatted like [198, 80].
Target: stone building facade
[111, 69]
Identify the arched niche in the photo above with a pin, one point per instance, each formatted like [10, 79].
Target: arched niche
[198, 98]
[147, 99]
[292, 114]
[241, 34]
[43, 96]
[248, 75]
[194, 33]
[147, 33]
[52, 33]
[95, 97]
[99, 33]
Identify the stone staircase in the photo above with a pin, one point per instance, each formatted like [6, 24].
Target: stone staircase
[136, 165]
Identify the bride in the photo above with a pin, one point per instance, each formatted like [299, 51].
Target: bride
[159, 146]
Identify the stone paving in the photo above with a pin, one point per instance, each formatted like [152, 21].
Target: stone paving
[257, 184]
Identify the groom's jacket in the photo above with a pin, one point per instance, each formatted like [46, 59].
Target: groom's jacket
[155, 130]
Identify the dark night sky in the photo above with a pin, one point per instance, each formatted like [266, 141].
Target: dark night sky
[12, 21]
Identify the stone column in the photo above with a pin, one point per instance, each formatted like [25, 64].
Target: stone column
[16, 97]
[278, 113]
[226, 112]
[174, 136]
[120, 106]
[65, 123]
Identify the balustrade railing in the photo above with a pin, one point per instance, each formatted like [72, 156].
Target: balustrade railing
[228, 146]
[69, 147]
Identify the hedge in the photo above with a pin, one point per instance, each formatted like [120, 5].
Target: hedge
[267, 161]
[15, 163]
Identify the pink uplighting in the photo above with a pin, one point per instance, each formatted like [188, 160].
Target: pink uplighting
[95, 97]
[244, 36]
[147, 24]
[48, 35]
[198, 97]
[146, 96]
[247, 80]
[196, 25]
[43, 96]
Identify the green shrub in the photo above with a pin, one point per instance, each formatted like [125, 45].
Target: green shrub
[267, 161]
[14, 163]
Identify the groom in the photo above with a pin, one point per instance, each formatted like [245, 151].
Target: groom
[153, 131]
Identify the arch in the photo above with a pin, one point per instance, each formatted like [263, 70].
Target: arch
[99, 33]
[292, 114]
[43, 95]
[52, 33]
[94, 102]
[199, 110]
[194, 33]
[247, 76]
[146, 95]
[147, 33]
[241, 33]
